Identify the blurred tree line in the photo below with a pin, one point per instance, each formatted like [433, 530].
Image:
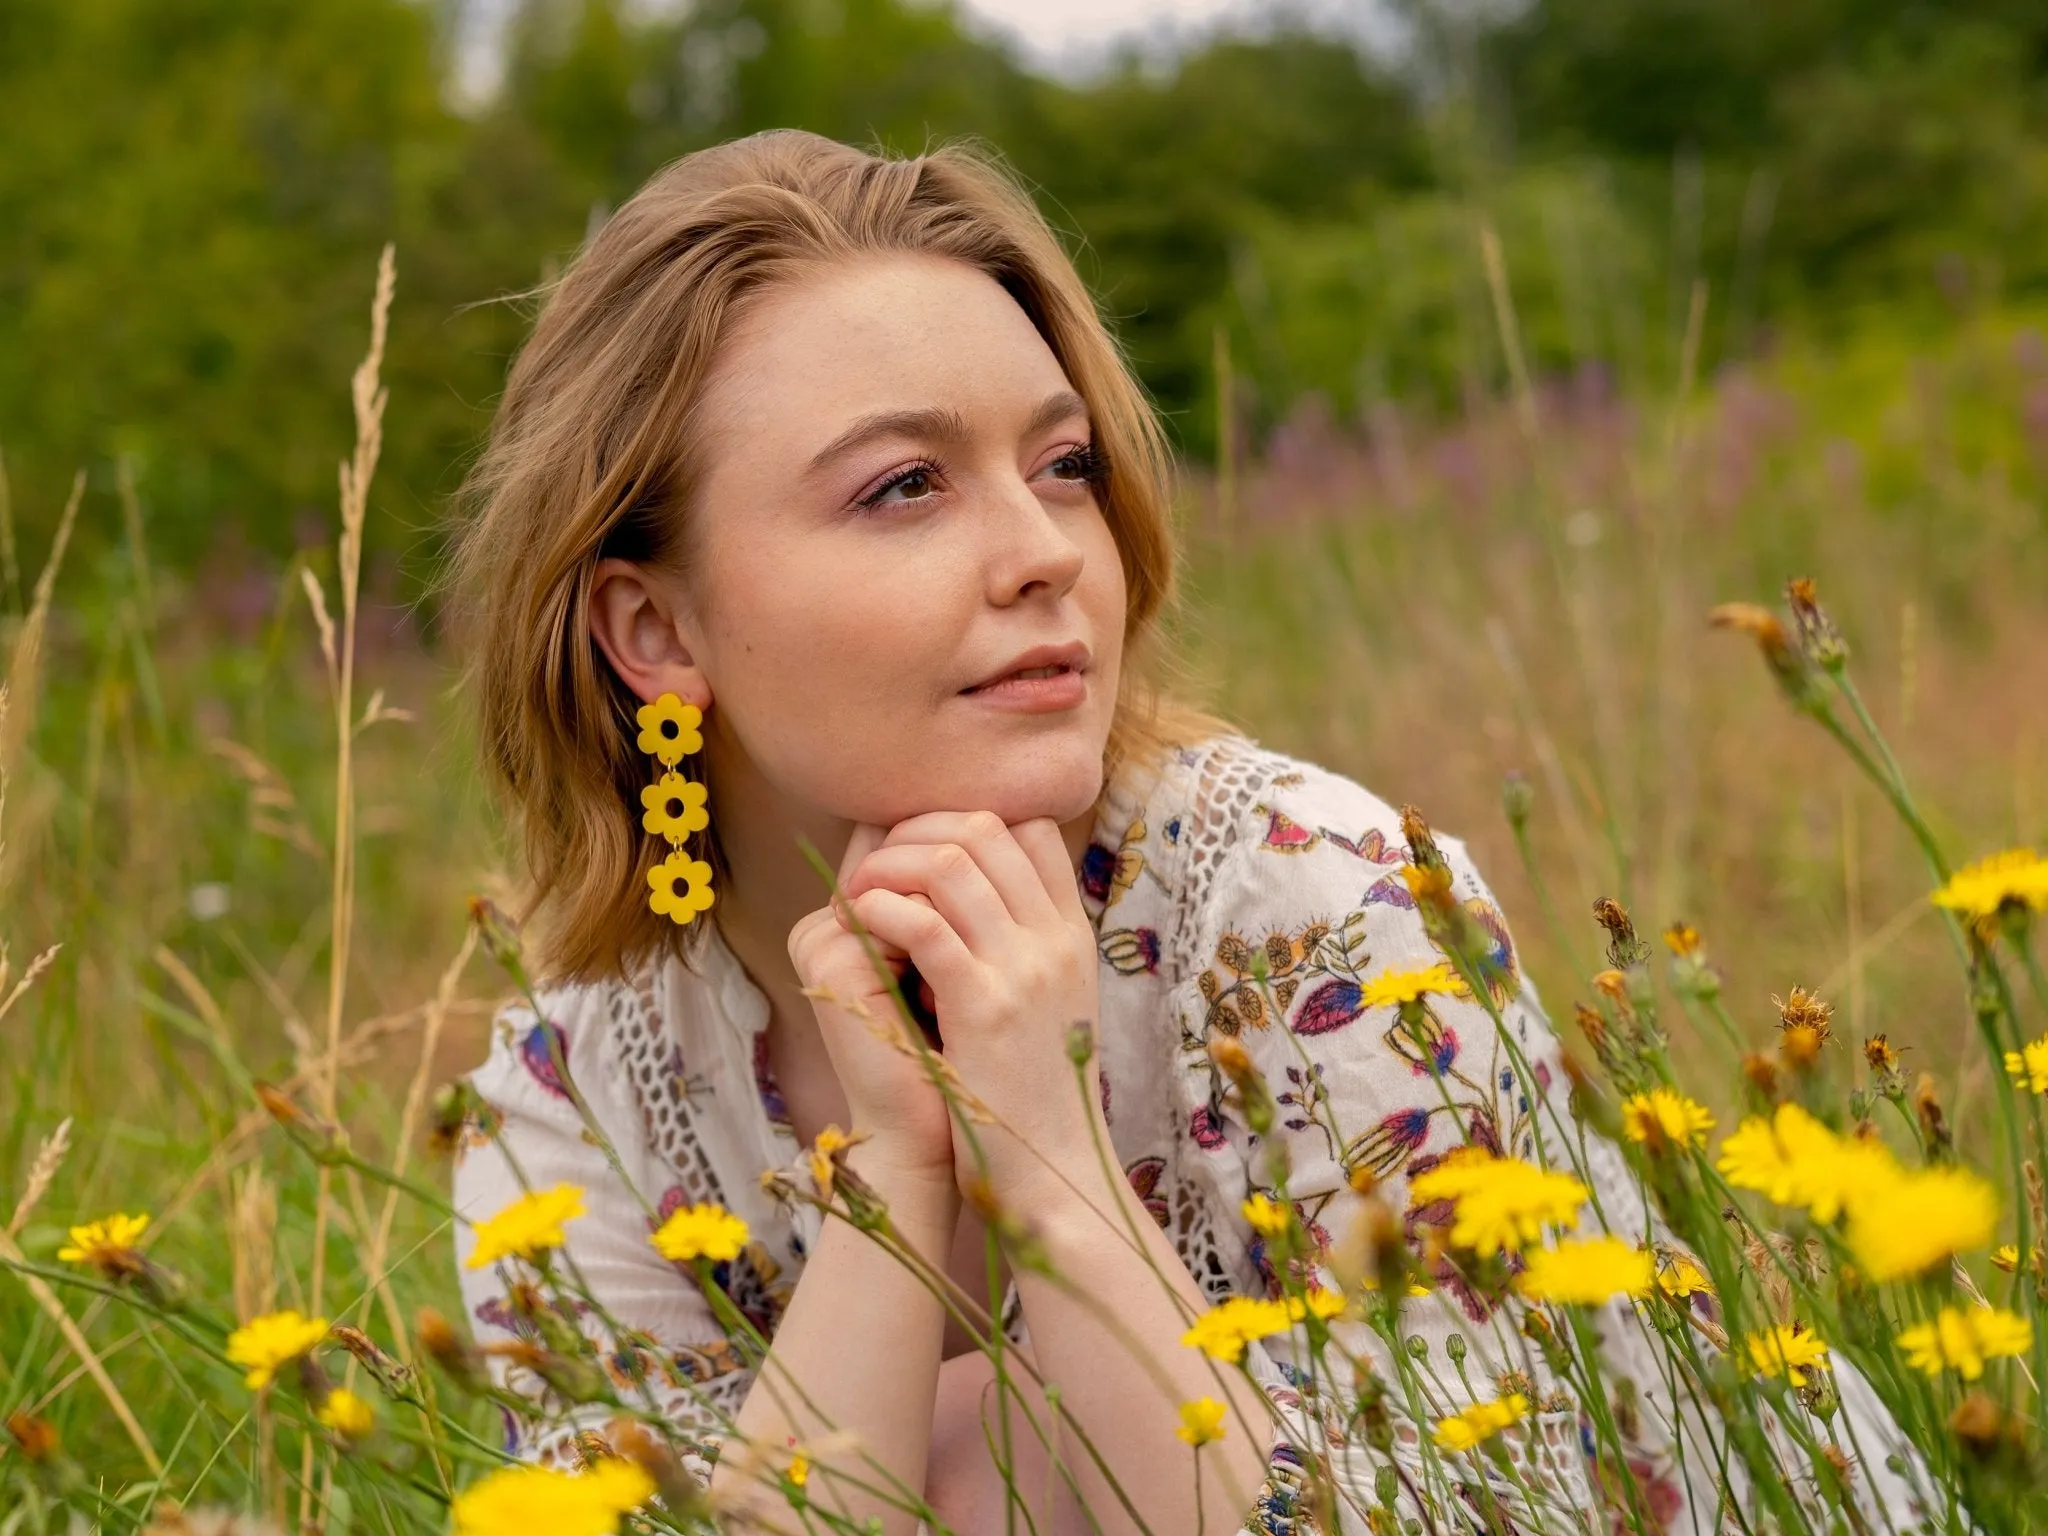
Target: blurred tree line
[192, 194]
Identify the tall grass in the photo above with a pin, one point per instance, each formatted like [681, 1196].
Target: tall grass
[243, 885]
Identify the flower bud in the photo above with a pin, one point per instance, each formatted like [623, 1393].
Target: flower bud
[1517, 798]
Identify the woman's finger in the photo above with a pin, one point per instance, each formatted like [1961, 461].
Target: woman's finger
[1002, 861]
[948, 875]
[1040, 841]
[940, 955]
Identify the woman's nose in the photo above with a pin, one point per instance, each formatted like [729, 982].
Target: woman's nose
[1034, 550]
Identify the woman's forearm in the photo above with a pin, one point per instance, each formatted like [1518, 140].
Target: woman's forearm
[857, 1351]
[1093, 1330]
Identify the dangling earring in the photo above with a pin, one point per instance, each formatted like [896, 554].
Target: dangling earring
[675, 807]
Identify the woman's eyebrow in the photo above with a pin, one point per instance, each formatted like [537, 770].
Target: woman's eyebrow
[940, 423]
[936, 422]
[1054, 409]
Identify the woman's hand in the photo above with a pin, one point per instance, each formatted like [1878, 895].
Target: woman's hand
[992, 918]
[888, 1093]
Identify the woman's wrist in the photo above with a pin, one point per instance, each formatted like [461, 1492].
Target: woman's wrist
[1075, 1183]
[921, 1200]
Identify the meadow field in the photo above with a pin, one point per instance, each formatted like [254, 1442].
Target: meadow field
[243, 833]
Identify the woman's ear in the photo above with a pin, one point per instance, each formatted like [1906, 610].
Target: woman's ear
[636, 620]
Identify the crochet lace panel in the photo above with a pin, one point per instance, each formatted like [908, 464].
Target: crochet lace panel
[1229, 777]
[652, 1062]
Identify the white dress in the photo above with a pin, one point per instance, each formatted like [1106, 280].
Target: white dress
[1234, 890]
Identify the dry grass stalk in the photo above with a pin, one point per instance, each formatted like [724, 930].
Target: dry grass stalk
[26, 664]
[79, 1345]
[368, 397]
[49, 1158]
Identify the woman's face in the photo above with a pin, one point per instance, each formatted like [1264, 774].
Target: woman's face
[894, 508]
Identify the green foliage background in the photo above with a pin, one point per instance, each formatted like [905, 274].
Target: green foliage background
[192, 193]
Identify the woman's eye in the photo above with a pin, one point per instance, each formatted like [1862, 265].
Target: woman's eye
[1076, 464]
[912, 485]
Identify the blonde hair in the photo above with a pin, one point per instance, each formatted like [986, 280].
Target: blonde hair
[594, 450]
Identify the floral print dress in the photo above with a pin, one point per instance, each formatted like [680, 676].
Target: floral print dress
[1235, 892]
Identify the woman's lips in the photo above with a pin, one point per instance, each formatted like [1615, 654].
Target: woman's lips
[1064, 689]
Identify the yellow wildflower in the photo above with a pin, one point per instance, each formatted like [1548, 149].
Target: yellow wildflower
[1795, 1160]
[1320, 1301]
[1962, 1339]
[346, 1414]
[701, 1232]
[826, 1155]
[264, 1345]
[1225, 1329]
[1392, 988]
[1920, 1220]
[799, 1469]
[1201, 1421]
[1499, 1202]
[107, 1245]
[1587, 1272]
[528, 1227]
[2028, 1066]
[1684, 940]
[668, 729]
[1662, 1118]
[2016, 879]
[1268, 1218]
[2006, 1257]
[1480, 1422]
[1787, 1350]
[514, 1501]
[1681, 1277]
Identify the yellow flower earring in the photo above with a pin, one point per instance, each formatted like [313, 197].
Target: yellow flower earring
[675, 807]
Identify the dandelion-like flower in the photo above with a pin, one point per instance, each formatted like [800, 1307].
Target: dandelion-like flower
[1961, 1339]
[1787, 1350]
[1587, 1272]
[1683, 940]
[1319, 1301]
[668, 729]
[1922, 1219]
[1225, 1329]
[1679, 1277]
[682, 887]
[1499, 1202]
[528, 1227]
[515, 1501]
[107, 1245]
[2028, 1066]
[1793, 1159]
[1481, 1422]
[1201, 1421]
[701, 1232]
[346, 1414]
[674, 806]
[265, 1345]
[1393, 988]
[1663, 1118]
[826, 1154]
[1268, 1218]
[2015, 880]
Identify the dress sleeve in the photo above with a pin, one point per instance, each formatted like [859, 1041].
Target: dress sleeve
[1306, 911]
[669, 1353]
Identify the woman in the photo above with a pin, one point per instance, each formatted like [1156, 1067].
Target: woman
[827, 460]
